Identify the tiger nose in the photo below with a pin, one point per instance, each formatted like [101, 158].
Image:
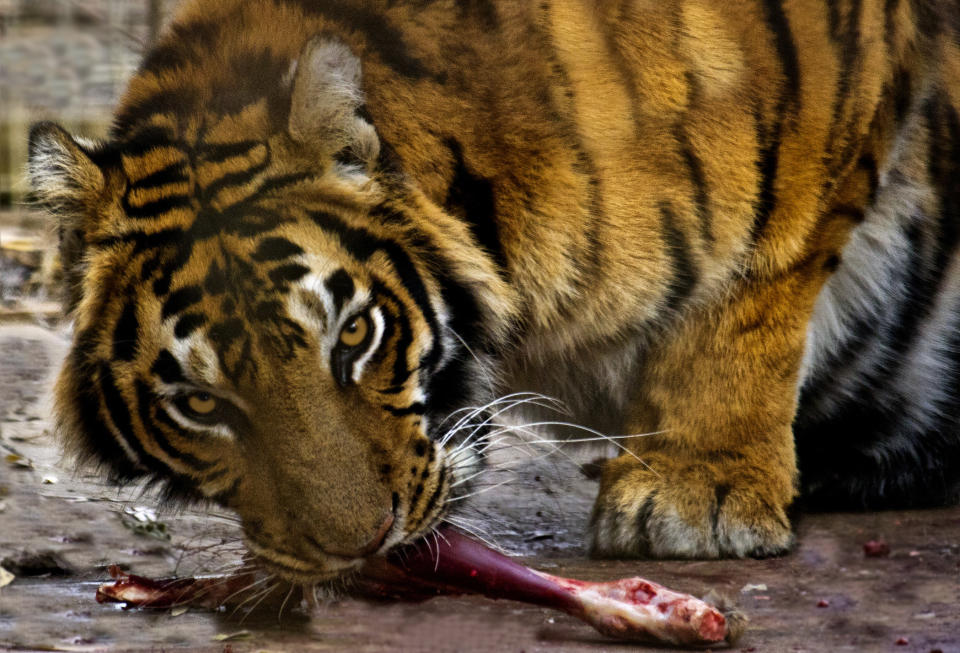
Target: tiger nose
[368, 548]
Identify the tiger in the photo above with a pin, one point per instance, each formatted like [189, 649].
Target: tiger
[324, 237]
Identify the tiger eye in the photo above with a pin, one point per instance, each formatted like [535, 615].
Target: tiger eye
[355, 332]
[202, 403]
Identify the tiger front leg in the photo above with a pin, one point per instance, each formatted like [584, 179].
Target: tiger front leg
[718, 472]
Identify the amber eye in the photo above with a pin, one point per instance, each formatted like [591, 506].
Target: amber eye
[201, 403]
[355, 332]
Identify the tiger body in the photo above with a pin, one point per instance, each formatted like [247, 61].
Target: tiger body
[321, 228]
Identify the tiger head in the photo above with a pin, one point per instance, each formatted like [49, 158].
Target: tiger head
[267, 315]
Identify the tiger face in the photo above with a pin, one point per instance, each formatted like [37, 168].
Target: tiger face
[255, 324]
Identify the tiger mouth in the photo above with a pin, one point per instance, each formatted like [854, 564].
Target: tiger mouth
[300, 571]
[306, 574]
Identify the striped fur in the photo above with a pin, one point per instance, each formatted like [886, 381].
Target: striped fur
[731, 223]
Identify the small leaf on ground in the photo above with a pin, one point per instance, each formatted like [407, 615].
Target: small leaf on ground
[18, 461]
[232, 637]
[143, 521]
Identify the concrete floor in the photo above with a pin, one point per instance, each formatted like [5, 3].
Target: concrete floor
[825, 596]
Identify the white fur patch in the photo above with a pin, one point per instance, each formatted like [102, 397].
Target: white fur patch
[376, 317]
[871, 280]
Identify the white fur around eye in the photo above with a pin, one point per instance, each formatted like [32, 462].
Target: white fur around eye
[377, 324]
[216, 430]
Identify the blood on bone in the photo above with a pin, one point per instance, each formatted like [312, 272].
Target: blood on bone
[630, 608]
[142, 592]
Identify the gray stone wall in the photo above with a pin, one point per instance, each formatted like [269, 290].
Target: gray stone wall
[67, 61]
[64, 60]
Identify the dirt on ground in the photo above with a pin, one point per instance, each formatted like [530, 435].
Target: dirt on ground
[886, 581]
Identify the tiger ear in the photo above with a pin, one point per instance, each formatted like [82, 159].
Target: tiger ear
[326, 103]
[67, 182]
[63, 175]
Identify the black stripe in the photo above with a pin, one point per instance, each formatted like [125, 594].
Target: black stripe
[225, 332]
[684, 274]
[167, 368]
[144, 401]
[143, 242]
[415, 408]
[188, 324]
[902, 91]
[890, 8]
[106, 156]
[209, 477]
[119, 414]
[404, 340]
[850, 53]
[450, 388]
[779, 24]
[183, 45]
[126, 332]
[99, 443]
[642, 526]
[868, 164]
[184, 100]
[284, 274]
[276, 249]
[931, 18]
[341, 286]
[699, 182]
[215, 283]
[769, 148]
[362, 245]
[471, 198]
[436, 494]
[233, 179]
[768, 159]
[480, 12]
[281, 182]
[180, 300]
[463, 308]
[147, 139]
[833, 19]
[175, 173]
[268, 310]
[156, 207]
[161, 286]
[224, 498]
[248, 77]
[452, 385]
[220, 152]
[248, 221]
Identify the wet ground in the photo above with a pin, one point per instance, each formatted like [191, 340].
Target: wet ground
[60, 528]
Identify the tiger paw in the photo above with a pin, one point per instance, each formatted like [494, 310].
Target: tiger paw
[667, 508]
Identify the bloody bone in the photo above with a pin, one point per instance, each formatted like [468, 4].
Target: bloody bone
[631, 608]
[143, 592]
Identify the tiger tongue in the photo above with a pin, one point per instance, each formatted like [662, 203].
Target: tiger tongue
[631, 608]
